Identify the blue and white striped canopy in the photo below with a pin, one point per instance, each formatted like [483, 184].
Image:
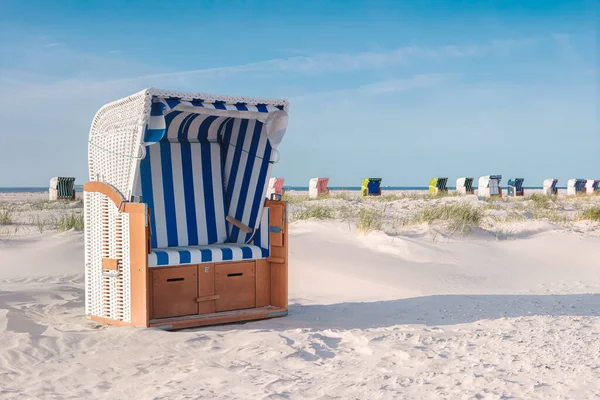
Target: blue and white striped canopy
[273, 116]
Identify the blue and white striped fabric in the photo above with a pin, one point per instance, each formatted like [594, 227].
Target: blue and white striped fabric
[203, 168]
[172, 256]
[262, 237]
[155, 130]
[247, 155]
[181, 179]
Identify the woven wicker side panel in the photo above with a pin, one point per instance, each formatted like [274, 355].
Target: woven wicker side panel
[93, 255]
[107, 236]
[115, 139]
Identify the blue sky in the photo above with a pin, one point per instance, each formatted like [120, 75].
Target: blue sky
[404, 90]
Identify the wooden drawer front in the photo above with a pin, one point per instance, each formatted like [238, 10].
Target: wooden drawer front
[235, 286]
[174, 291]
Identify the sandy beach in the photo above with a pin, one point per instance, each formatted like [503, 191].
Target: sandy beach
[384, 304]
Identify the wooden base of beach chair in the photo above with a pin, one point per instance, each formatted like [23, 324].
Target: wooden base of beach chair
[193, 295]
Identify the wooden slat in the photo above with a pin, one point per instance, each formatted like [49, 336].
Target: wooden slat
[279, 271]
[206, 287]
[263, 283]
[208, 298]
[218, 318]
[243, 227]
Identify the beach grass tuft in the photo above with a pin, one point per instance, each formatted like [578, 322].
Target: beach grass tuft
[460, 216]
[70, 221]
[312, 211]
[6, 215]
[368, 219]
[592, 214]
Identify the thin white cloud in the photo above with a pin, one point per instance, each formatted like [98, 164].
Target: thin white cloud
[55, 44]
[336, 62]
[398, 85]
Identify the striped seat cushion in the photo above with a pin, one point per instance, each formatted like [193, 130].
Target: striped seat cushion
[172, 256]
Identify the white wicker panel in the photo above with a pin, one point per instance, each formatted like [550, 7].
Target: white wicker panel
[107, 236]
[115, 138]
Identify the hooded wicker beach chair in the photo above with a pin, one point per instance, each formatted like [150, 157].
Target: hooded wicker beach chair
[178, 229]
[465, 185]
[549, 188]
[275, 189]
[591, 186]
[438, 186]
[515, 187]
[489, 186]
[61, 188]
[317, 187]
[575, 186]
[371, 187]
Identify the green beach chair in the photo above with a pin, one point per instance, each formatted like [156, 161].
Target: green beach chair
[62, 188]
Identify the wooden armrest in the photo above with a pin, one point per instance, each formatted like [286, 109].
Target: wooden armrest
[107, 190]
[243, 227]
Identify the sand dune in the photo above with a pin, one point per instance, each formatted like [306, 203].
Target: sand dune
[372, 316]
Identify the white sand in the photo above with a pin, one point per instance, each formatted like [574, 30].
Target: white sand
[371, 317]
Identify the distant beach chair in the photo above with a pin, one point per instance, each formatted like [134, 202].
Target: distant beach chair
[371, 187]
[317, 187]
[464, 185]
[591, 186]
[489, 186]
[515, 187]
[575, 186]
[61, 188]
[549, 188]
[275, 188]
[438, 186]
[178, 231]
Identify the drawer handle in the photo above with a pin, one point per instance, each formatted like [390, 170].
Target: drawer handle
[235, 274]
[208, 298]
[175, 279]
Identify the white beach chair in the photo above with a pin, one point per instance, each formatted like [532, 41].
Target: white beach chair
[317, 187]
[178, 232]
[591, 186]
[575, 186]
[549, 188]
[61, 188]
[464, 185]
[489, 186]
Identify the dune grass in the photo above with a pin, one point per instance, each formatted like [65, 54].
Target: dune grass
[70, 221]
[312, 211]
[368, 219]
[6, 215]
[540, 201]
[459, 216]
[592, 214]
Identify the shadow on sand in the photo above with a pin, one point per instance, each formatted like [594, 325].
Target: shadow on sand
[435, 310]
